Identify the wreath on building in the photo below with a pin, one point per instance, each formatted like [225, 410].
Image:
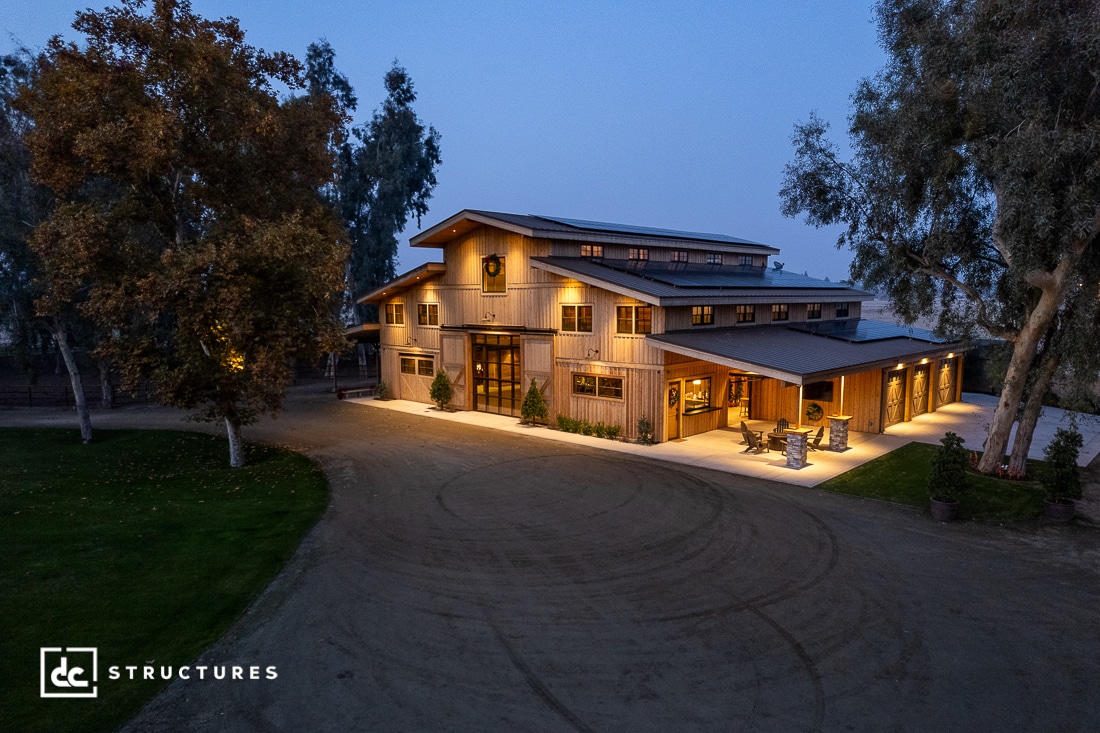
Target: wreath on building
[493, 265]
[673, 395]
[814, 412]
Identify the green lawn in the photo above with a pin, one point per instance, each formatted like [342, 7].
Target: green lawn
[902, 476]
[143, 544]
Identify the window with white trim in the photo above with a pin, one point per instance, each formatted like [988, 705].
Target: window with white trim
[427, 314]
[576, 318]
[395, 314]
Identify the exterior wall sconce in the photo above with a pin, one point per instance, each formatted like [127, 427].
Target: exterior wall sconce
[592, 354]
[489, 316]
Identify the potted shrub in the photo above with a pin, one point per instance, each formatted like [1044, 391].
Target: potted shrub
[534, 407]
[947, 480]
[1060, 476]
[440, 391]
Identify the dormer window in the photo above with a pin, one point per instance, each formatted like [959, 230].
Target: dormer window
[638, 253]
[813, 311]
[841, 310]
[678, 255]
[714, 258]
[744, 260]
[591, 250]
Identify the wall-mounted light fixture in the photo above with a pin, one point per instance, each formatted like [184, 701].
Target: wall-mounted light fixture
[592, 354]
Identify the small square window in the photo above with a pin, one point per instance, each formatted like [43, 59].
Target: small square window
[714, 258]
[427, 314]
[744, 260]
[746, 313]
[638, 253]
[395, 314]
[841, 310]
[679, 255]
[781, 312]
[591, 250]
[576, 318]
[702, 315]
[425, 367]
[633, 318]
[408, 365]
[813, 311]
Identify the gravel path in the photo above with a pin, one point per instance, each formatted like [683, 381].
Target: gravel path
[468, 580]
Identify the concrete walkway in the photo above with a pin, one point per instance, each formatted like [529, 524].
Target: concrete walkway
[721, 449]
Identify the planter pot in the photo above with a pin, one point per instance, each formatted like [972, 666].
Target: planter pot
[1059, 511]
[944, 511]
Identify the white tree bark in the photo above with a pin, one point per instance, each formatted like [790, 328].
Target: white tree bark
[61, 335]
[236, 446]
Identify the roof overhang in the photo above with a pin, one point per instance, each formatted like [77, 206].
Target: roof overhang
[542, 228]
[364, 332]
[417, 276]
[798, 357]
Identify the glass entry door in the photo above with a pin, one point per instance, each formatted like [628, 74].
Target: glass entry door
[497, 385]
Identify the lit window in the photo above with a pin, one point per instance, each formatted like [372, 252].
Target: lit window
[746, 313]
[679, 255]
[696, 394]
[591, 250]
[638, 253]
[395, 314]
[408, 365]
[813, 311]
[576, 318]
[492, 274]
[780, 312]
[702, 315]
[425, 367]
[633, 318]
[427, 314]
[714, 258]
[593, 385]
[841, 310]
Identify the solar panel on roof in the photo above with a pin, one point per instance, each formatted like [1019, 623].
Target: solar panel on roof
[682, 275]
[599, 226]
[862, 331]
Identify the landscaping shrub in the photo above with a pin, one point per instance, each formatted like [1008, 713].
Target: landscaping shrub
[1059, 475]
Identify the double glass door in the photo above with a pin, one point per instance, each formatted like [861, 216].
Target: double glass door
[497, 385]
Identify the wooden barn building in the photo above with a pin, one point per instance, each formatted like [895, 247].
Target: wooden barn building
[693, 331]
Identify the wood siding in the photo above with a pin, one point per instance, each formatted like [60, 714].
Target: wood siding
[771, 399]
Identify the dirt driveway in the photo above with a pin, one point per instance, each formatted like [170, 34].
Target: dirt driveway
[468, 580]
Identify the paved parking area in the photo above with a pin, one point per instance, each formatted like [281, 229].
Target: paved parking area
[472, 580]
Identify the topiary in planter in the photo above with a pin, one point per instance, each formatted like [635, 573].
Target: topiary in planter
[440, 391]
[947, 481]
[534, 405]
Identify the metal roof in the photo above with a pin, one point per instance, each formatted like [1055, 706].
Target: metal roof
[794, 355]
[680, 283]
[417, 275]
[551, 227]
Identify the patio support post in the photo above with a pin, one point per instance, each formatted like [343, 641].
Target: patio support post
[838, 432]
[842, 393]
[798, 422]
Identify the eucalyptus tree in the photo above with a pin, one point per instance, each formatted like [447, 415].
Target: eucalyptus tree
[974, 184]
[189, 217]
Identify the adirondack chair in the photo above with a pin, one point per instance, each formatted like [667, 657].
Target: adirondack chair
[745, 429]
[755, 444]
[815, 443]
[782, 426]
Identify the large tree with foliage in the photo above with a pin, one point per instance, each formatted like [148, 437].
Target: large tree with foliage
[190, 227]
[974, 187]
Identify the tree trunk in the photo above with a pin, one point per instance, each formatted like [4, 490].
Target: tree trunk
[106, 391]
[1029, 418]
[236, 447]
[1023, 355]
[61, 335]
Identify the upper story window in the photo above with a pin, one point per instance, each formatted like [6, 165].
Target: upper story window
[591, 250]
[638, 253]
[633, 319]
[493, 274]
[395, 314]
[813, 311]
[714, 258]
[576, 318]
[841, 310]
[678, 255]
[744, 260]
[780, 312]
[746, 313]
[702, 315]
[427, 314]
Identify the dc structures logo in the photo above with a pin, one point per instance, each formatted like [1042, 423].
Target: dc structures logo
[69, 671]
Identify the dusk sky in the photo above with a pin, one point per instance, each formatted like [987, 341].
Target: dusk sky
[675, 115]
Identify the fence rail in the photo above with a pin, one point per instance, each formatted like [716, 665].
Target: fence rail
[63, 396]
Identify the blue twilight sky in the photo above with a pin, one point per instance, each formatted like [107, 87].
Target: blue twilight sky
[666, 114]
